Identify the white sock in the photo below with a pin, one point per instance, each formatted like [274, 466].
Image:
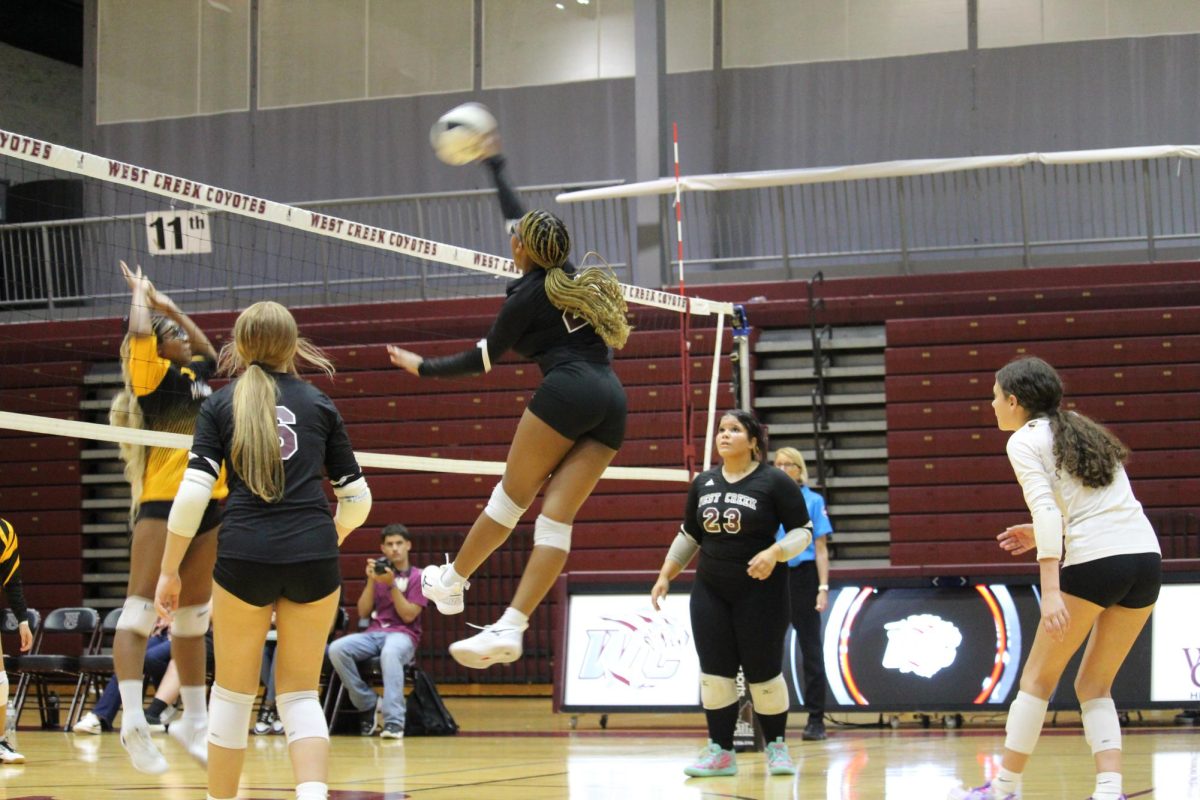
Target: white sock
[511, 618]
[1108, 786]
[132, 715]
[1006, 782]
[193, 702]
[312, 790]
[451, 577]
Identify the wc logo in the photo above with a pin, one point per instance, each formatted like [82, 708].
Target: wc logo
[923, 644]
[71, 620]
[636, 649]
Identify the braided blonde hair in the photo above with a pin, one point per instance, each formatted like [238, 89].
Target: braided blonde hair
[594, 294]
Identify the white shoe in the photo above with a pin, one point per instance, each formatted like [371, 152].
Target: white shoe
[494, 644]
[142, 752]
[193, 735]
[8, 755]
[89, 724]
[448, 599]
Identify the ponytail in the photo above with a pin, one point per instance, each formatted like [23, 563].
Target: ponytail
[254, 451]
[1085, 449]
[595, 295]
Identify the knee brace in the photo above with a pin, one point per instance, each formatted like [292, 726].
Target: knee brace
[138, 615]
[549, 533]
[770, 697]
[1101, 726]
[229, 718]
[717, 691]
[191, 621]
[1026, 716]
[3, 690]
[301, 715]
[502, 508]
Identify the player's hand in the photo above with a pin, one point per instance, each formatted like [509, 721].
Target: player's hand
[763, 563]
[26, 636]
[822, 600]
[166, 595]
[138, 282]
[661, 587]
[1055, 617]
[1017, 539]
[405, 359]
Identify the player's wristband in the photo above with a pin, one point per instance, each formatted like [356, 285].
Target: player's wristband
[824, 587]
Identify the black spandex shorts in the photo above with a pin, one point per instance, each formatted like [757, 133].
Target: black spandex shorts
[1130, 580]
[260, 583]
[161, 509]
[580, 399]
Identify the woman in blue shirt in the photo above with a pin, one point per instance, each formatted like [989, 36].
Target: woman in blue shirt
[808, 590]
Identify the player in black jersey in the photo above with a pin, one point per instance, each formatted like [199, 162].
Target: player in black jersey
[166, 361]
[739, 599]
[10, 577]
[278, 436]
[567, 322]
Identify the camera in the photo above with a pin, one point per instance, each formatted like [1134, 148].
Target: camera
[382, 565]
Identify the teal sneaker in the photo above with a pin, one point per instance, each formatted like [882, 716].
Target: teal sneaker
[779, 760]
[713, 762]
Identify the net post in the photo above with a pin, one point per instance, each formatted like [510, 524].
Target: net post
[712, 391]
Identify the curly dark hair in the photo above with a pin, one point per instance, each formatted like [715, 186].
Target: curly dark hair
[1083, 447]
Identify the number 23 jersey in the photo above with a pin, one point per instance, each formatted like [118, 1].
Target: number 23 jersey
[313, 444]
[734, 521]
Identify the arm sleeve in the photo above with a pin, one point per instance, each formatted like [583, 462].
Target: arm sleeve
[683, 548]
[340, 463]
[510, 323]
[208, 451]
[146, 367]
[510, 204]
[1039, 495]
[691, 523]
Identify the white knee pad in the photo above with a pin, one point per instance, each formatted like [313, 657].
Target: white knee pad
[301, 715]
[138, 615]
[550, 533]
[1026, 716]
[229, 718]
[3, 690]
[770, 697]
[191, 621]
[717, 691]
[502, 508]
[1101, 726]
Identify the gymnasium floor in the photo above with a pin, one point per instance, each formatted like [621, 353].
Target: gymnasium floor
[516, 749]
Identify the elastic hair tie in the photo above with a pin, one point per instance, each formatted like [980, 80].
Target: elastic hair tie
[260, 365]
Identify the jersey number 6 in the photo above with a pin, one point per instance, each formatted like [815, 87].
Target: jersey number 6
[712, 517]
[289, 443]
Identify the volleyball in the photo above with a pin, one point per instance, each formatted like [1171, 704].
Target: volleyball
[460, 135]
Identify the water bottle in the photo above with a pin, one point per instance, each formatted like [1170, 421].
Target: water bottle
[10, 727]
[51, 712]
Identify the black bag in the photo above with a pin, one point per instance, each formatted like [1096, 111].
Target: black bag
[427, 714]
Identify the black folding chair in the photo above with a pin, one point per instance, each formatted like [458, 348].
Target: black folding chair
[41, 669]
[94, 668]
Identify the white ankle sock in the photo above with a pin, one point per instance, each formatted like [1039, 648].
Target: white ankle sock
[193, 702]
[312, 790]
[1108, 786]
[451, 577]
[512, 618]
[1006, 782]
[132, 715]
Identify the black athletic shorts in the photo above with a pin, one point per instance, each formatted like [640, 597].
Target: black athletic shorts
[1131, 580]
[580, 399]
[161, 509]
[260, 583]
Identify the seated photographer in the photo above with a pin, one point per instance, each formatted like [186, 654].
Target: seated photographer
[393, 602]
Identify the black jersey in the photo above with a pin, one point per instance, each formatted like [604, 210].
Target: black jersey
[10, 571]
[313, 443]
[734, 521]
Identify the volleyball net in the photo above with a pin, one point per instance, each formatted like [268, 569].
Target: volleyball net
[355, 281]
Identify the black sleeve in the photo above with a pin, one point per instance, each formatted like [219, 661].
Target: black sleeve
[691, 523]
[510, 204]
[203, 367]
[208, 451]
[789, 501]
[511, 322]
[16, 594]
[340, 464]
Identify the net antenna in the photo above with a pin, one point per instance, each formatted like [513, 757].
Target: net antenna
[256, 226]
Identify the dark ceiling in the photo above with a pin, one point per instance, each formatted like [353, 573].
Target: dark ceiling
[52, 28]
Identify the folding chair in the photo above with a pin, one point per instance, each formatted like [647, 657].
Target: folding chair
[41, 669]
[94, 668]
[372, 673]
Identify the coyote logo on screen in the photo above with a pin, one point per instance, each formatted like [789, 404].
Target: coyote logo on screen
[923, 644]
[638, 650]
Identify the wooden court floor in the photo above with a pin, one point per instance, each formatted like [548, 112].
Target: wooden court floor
[516, 749]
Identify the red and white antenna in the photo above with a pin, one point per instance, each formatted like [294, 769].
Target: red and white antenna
[689, 448]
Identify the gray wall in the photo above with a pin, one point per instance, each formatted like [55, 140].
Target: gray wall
[41, 97]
